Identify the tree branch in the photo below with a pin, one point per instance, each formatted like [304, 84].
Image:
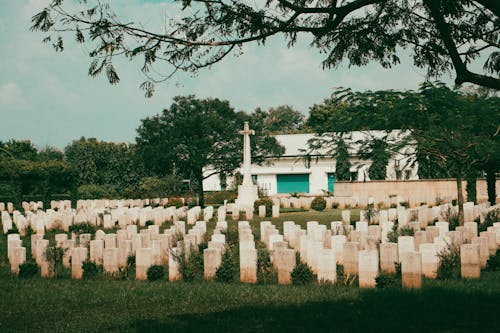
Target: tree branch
[463, 74]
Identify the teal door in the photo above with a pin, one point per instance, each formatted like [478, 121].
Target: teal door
[293, 183]
[331, 181]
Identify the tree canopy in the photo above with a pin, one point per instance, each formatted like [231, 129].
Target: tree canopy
[199, 138]
[443, 35]
[455, 133]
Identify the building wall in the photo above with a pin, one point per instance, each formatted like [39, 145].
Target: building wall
[318, 173]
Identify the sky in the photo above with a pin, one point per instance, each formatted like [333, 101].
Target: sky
[48, 97]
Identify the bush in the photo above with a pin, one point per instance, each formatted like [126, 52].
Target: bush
[449, 263]
[491, 217]
[28, 270]
[229, 268]
[90, 269]
[318, 204]
[390, 280]
[392, 236]
[218, 197]
[493, 263]
[345, 280]
[148, 223]
[387, 280]
[190, 267]
[156, 272]
[94, 191]
[231, 234]
[266, 274]
[264, 202]
[302, 275]
[452, 218]
[82, 228]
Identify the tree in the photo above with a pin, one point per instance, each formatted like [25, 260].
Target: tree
[376, 150]
[443, 35]
[454, 133]
[198, 139]
[105, 163]
[462, 134]
[18, 149]
[284, 119]
[334, 145]
[342, 164]
[48, 153]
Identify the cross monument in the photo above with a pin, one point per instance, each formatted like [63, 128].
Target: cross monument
[247, 192]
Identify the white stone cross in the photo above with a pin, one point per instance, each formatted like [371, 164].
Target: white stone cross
[247, 159]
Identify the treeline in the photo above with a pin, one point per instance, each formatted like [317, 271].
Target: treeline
[455, 134]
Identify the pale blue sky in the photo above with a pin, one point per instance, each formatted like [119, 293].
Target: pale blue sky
[48, 97]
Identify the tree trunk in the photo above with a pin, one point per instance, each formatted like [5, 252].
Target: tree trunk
[491, 183]
[460, 201]
[201, 198]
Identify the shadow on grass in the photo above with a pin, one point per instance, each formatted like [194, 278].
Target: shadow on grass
[430, 310]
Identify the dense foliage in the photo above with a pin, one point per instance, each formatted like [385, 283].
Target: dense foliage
[443, 35]
[197, 139]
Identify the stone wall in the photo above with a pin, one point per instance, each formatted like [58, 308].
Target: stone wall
[413, 191]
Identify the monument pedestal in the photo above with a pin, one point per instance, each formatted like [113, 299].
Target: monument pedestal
[247, 194]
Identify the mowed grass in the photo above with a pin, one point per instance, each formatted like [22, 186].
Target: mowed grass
[41, 305]
[106, 305]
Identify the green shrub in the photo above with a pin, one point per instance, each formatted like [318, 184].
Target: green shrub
[148, 223]
[131, 261]
[90, 269]
[493, 263]
[82, 228]
[266, 274]
[229, 269]
[318, 204]
[156, 272]
[345, 280]
[449, 263]
[190, 267]
[335, 205]
[264, 202]
[93, 191]
[392, 236]
[387, 280]
[302, 275]
[231, 234]
[491, 217]
[218, 197]
[28, 270]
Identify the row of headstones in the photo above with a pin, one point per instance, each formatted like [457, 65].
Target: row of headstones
[363, 260]
[110, 250]
[424, 215]
[50, 219]
[305, 202]
[248, 212]
[84, 204]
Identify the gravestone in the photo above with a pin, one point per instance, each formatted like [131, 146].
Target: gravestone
[411, 270]
[470, 261]
[368, 264]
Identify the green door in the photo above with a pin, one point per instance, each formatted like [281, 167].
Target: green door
[331, 181]
[293, 183]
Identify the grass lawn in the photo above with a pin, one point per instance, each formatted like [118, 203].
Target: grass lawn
[105, 305]
[40, 305]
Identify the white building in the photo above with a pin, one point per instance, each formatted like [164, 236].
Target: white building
[291, 173]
